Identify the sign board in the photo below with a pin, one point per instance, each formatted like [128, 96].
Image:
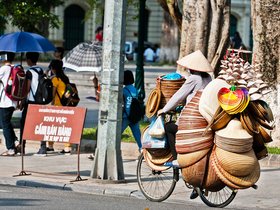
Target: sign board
[54, 123]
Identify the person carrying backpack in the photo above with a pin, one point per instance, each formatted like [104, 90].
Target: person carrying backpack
[7, 107]
[32, 76]
[59, 80]
[130, 92]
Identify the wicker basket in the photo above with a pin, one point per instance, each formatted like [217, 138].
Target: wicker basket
[168, 88]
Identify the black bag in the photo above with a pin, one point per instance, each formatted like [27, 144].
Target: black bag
[136, 111]
[70, 96]
[44, 92]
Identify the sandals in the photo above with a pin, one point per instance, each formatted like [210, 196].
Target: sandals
[7, 154]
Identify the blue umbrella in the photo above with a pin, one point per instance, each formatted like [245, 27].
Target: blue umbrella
[25, 42]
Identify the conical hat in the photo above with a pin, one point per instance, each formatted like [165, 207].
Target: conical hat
[195, 61]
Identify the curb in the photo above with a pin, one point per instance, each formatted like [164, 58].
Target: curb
[88, 189]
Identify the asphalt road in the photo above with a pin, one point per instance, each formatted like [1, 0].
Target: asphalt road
[42, 198]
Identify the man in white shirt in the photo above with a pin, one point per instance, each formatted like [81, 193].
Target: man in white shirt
[32, 85]
[149, 55]
[7, 107]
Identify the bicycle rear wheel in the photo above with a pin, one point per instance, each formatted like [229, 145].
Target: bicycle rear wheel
[219, 199]
[155, 185]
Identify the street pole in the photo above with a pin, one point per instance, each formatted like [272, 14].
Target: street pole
[139, 78]
[108, 165]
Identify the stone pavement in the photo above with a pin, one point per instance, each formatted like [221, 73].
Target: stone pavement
[57, 171]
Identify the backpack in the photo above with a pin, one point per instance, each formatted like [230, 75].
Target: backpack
[44, 92]
[16, 88]
[136, 111]
[70, 96]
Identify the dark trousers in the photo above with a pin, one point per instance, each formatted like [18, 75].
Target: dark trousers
[8, 130]
[171, 130]
[22, 123]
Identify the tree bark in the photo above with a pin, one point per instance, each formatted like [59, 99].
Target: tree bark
[205, 27]
[169, 47]
[266, 50]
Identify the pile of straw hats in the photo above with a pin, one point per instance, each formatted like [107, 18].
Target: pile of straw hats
[155, 162]
[236, 181]
[234, 138]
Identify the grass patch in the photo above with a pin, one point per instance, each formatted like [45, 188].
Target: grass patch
[127, 136]
[273, 150]
[89, 133]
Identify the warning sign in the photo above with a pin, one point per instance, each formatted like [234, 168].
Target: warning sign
[54, 123]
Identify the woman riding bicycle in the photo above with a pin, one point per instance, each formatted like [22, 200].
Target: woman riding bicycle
[198, 66]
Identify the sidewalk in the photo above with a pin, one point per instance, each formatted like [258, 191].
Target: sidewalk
[56, 171]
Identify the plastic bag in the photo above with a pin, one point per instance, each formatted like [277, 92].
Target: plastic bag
[157, 128]
[150, 142]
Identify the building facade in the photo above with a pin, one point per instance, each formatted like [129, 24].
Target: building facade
[74, 29]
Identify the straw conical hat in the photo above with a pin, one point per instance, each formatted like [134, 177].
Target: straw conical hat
[196, 61]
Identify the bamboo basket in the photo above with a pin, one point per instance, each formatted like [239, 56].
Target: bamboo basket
[168, 88]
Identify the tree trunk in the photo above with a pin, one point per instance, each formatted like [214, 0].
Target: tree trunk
[169, 47]
[205, 27]
[266, 50]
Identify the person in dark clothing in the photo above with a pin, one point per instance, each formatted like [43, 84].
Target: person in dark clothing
[237, 41]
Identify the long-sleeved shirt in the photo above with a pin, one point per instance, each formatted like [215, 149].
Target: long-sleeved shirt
[192, 84]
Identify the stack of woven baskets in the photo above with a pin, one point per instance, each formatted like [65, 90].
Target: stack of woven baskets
[168, 88]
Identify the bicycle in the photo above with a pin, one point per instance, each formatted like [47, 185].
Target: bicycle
[157, 184]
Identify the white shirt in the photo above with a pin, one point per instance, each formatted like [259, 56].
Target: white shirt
[149, 54]
[34, 82]
[5, 102]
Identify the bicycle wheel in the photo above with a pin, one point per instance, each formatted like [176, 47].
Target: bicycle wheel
[155, 185]
[217, 199]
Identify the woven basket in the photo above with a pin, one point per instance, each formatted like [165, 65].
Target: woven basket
[195, 173]
[168, 88]
[188, 159]
[191, 127]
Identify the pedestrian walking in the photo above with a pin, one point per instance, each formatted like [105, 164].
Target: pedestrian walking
[32, 85]
[59, 81]
[129, 92]
[7, 107]
[58, 54]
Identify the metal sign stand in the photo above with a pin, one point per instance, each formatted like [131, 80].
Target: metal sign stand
[22, 173]
[78, 178]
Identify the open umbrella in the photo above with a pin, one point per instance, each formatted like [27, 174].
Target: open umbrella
[86, 56]
[18, 42]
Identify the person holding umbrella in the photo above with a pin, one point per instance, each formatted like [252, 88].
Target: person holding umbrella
[7, 107]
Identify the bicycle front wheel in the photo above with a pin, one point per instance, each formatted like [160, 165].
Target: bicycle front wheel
[155, 185]
[218, 199]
